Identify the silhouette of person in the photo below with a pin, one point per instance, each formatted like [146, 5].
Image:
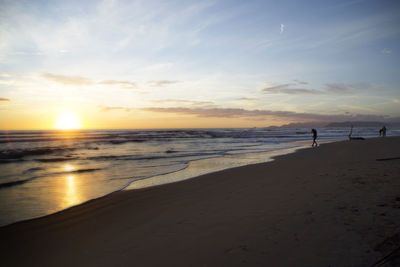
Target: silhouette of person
[314, 136]
[383, 131]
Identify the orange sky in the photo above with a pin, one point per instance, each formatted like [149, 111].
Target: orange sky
[199, 64]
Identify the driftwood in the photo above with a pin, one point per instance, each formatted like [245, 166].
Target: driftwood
[354, 138]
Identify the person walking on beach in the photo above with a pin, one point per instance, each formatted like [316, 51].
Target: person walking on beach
[382, 132]
[314, 136]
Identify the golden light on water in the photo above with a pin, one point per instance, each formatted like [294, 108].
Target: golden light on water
[68, 168]
[71, 195]
[67, 121]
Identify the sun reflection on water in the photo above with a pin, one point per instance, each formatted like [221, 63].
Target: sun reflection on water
[71, 195]
[69, 167]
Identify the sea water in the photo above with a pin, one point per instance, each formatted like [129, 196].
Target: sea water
[42, 172]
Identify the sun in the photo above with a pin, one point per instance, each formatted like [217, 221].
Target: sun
[67, 121]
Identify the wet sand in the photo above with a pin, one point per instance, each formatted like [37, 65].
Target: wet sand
[334, 205]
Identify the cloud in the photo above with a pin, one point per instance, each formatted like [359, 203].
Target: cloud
[82, 81]
[386, 51]
[329, 88]
[8, 82]
[243, 113]
[106, 108]
[6, 75]
[67, 80]
[247, 99]
[119, 83]
[162, 83]
[344, 88]
[286, 89]
[339, 88]
[300, 82]
[184, 102]
[5, 99]
[213, 112]
[282, 28]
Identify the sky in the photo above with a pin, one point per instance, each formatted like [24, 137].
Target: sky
[198, 64]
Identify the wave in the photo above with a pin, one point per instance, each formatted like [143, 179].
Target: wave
[20, 153]
[5, 161]
[117, 142]
[57, 159]
[124, 136]
[34, 169]
[15, 183]
[46, 136]
[85, 170]
[19, 182]
[168, 155]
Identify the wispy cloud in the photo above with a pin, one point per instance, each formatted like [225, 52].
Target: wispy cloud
[184, 102]
[282, 28]
[287, 89]
[247, 99]
[161, 83]
[82, 81]
[339, 88]
[243, 113]
[329, 88]
[67, 80]
[349, 88]
[119, 83]
[300, 82]
[6, 75]
[8, 82]
[107, 108]
[147, 46]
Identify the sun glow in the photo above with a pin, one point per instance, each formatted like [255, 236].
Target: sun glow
[67, 121]
[68, 168]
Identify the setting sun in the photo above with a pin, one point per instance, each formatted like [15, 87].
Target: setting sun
[67, 121]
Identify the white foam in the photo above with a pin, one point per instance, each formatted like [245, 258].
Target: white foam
[204, 166]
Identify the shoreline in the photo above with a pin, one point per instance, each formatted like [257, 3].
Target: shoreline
[188, 172]
[234, 216]
[181, 175]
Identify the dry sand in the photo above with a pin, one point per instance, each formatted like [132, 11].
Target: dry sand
[335, 205]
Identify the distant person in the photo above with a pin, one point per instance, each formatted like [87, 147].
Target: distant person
[382, 132]
[314, 136]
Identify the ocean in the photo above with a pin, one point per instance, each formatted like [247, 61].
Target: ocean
[43, 172]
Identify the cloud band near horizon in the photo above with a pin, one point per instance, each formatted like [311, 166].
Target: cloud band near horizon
[243, 113]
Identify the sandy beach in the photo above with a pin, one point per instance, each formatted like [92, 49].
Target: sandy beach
[334, 205]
